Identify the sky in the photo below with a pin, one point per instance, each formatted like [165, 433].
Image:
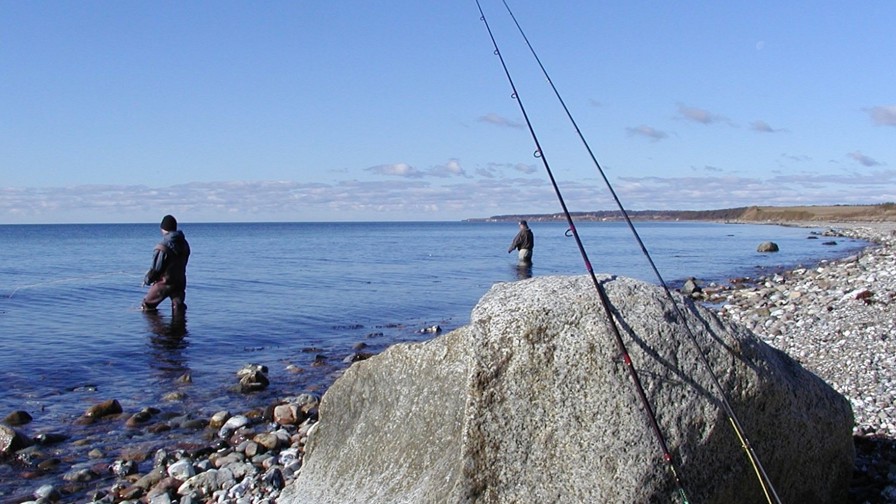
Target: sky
[231, 111]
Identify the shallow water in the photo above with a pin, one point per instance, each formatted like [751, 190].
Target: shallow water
[72, 334]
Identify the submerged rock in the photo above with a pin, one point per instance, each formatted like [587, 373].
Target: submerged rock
[48, 438]
[253, 377]
[100, 410]
[532, 403]
[48, 493]
[17, 418]
[141, 417]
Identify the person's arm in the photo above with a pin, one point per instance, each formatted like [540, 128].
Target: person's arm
[158, 266]
[516, 242]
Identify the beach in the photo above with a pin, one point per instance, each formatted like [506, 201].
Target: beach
[837, 320]
[834, 318]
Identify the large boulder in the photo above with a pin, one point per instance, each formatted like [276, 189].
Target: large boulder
[531, 402]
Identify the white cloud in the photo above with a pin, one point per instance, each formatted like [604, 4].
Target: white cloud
[498, 169]
[700, 115]
[883, 115]
[795, 157]
[498, 120]
[450, 169]
[653, 134]
[732, 191]
[418, 199]
[863, 159]
[525, 168]
[397, 170]
[489, 172]
[763, 127]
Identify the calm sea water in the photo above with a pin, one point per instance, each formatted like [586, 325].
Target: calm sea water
[71, 332]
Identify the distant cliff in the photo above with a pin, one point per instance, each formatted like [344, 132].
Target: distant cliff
[832, 213]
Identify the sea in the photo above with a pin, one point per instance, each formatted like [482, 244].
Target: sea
[302, 299]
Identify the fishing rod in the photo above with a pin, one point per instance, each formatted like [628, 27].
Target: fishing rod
[604, 299]
[69, 279]
[764, 480]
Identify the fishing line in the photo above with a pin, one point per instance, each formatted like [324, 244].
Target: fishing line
[605, 302]
[67, 280]
[767, 487]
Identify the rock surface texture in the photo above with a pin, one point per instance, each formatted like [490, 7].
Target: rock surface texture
[531, 402]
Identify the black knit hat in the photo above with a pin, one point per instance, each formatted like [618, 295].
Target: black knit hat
[169, 223]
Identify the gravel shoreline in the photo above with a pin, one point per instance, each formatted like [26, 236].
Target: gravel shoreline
[837, 320]
[834, 318]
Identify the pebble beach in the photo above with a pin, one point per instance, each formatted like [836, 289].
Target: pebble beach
[835, 318]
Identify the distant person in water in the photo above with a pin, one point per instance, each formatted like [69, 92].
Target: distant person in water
[524, 241]
[167, 277]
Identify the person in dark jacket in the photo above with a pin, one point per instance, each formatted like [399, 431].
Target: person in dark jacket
[167, 277]
[524, 241]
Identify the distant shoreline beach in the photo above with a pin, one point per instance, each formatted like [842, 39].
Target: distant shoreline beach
[809, 215]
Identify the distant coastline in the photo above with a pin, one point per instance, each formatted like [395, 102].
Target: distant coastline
[884, 212]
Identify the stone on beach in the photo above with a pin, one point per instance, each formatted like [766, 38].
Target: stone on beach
[11, 440]
[295, 410]
[182, 470]
[531, 403]
[217, 420]
[233, 424]
[836, 319]
[204, 484]
[691, 288]
[288, 414]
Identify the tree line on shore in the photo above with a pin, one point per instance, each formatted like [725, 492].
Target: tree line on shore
[830, 213]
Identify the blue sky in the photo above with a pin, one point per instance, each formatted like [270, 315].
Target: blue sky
[352, 110]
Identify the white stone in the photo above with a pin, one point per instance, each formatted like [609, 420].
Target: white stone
[182, 470]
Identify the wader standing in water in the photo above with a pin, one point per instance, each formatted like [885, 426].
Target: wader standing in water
[167, 277]
[524, 241]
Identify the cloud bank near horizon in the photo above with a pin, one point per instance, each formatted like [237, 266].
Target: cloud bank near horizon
[451, 191]
[408, 194]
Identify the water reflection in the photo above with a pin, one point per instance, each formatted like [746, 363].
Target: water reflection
[168, 343]
[523, 271]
